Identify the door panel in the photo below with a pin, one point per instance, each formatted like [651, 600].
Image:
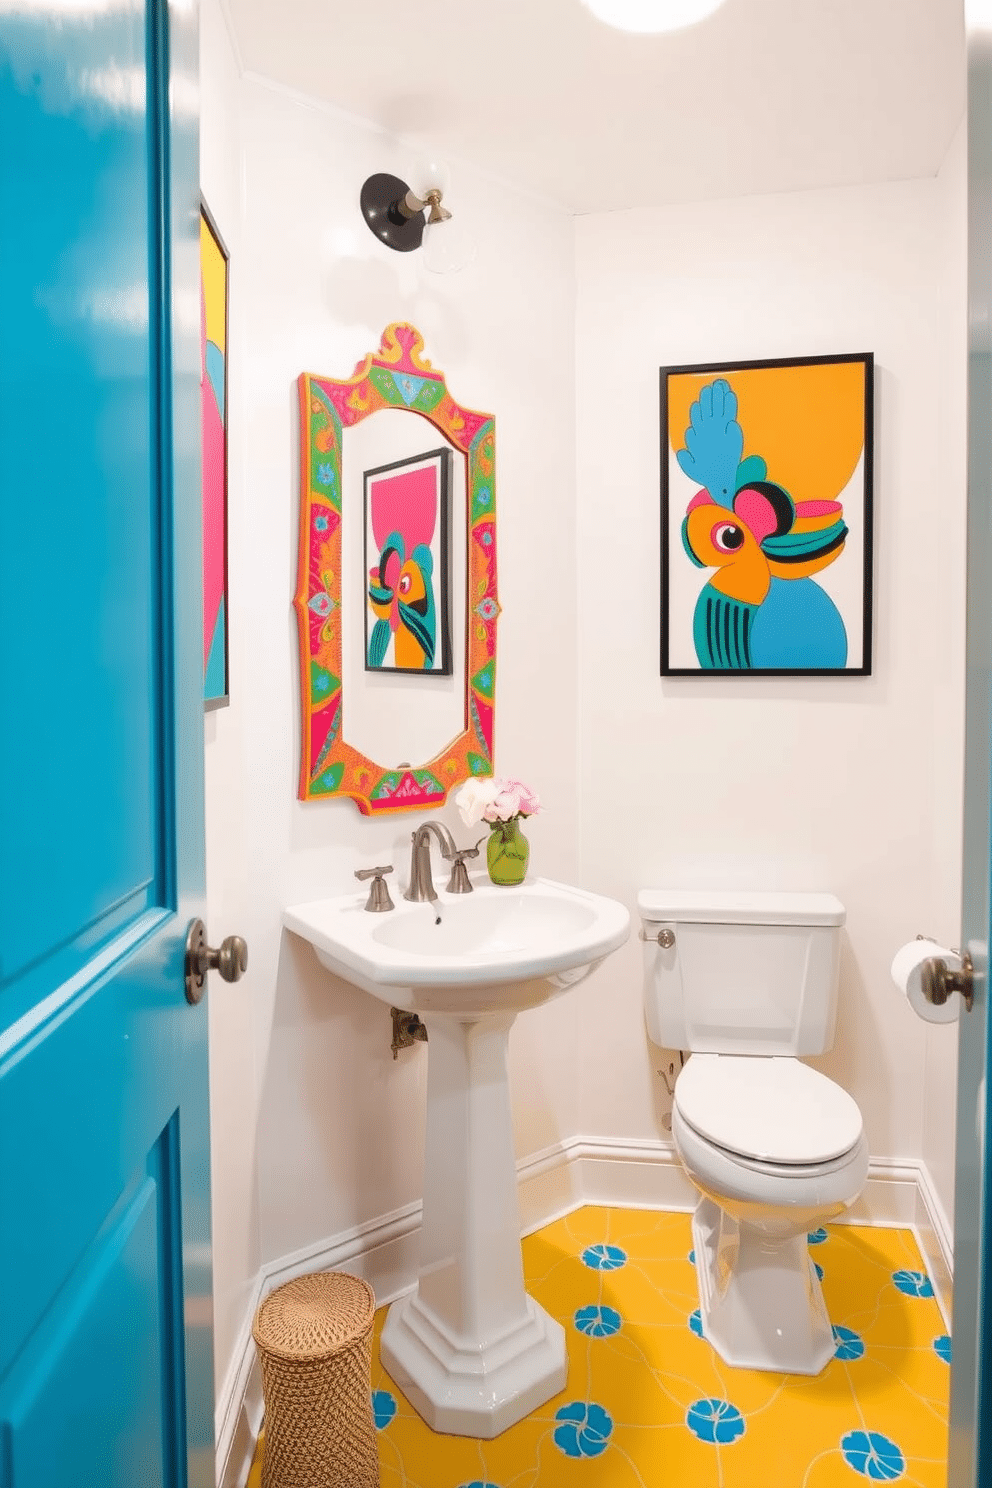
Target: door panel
[75, 445]
[105, 1277]
[102, 1334]
[118, 1030]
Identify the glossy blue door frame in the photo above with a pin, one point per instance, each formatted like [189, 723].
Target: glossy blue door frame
[970, 1453]
[105, 1279]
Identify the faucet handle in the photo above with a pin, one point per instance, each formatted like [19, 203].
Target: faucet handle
[459, 882]
[378, 901]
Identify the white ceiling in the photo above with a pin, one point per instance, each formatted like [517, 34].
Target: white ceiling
[767, 95]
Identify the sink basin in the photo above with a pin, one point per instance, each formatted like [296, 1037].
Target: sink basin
[468, 1347]
[493, 948]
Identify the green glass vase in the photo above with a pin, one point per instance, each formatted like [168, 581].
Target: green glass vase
[507, 852]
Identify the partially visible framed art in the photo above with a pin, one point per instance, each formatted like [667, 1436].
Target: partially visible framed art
[407, 567]
[214, 261]
[766, 517]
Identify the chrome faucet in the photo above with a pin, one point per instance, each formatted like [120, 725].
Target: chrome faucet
[421, 880]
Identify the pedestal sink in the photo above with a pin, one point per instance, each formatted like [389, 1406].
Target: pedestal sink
[470, 1349]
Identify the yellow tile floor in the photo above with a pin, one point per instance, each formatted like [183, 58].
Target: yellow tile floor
[648, 1404]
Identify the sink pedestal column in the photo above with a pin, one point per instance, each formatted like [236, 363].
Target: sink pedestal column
[469, 1348]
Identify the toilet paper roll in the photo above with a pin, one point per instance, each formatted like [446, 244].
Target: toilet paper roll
[906, 973]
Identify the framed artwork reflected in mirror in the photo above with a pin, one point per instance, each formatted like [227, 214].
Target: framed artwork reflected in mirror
[406, 565]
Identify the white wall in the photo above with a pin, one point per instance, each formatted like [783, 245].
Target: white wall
[304, 1084]
[861, 775]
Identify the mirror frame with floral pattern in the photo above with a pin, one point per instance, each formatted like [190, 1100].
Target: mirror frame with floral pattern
[396, 376]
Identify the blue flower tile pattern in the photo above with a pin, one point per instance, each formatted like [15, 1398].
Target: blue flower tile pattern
[598, 1322]
[584, 1430]
[817, 1237]
[383, 1408]
[604, 1257]
[850, 1345]
[646, 1402]
[913, 1283]
[818, 1269]
[691, 1258]
[715, 1421]
[873, 1455]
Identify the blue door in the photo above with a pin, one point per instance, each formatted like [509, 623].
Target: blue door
[105, 1277]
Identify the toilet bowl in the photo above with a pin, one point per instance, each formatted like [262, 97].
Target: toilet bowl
[782, 1152]
[746, 983]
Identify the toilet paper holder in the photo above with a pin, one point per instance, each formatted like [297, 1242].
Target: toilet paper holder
[939, 981]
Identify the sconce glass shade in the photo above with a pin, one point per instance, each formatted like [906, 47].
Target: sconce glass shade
[431, 174]
[448, 246]
[647, 17]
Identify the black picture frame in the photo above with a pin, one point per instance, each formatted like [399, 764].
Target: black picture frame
[725, 627]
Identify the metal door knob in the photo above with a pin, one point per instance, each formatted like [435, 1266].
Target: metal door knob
[230, 959]
[938, 981]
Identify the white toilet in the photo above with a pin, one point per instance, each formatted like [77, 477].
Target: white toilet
[747, 983]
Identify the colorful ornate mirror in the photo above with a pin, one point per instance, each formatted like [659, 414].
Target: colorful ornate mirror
[396, 588]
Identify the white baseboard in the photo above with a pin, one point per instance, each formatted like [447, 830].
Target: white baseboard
[936, 1239]
[238, 1415]
[615, 1173]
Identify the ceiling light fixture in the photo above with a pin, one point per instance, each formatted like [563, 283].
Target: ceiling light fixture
[395, 212]
[648, 17]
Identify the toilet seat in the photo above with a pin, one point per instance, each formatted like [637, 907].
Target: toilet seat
[770, 1188]
[768, 1113]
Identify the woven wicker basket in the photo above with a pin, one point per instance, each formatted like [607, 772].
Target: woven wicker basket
[314, 1338]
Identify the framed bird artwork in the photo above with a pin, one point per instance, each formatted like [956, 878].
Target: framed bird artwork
[407, 508]
[766, 517]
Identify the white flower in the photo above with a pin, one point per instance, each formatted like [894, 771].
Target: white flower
[473, 798]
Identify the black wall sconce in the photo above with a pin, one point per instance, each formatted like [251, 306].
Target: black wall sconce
[405, 219]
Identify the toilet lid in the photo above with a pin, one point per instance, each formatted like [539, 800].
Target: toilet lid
[772, 1109]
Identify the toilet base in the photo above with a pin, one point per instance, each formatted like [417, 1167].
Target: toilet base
[760, 1299]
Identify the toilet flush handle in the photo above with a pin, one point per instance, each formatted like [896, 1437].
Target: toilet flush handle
[665, 938]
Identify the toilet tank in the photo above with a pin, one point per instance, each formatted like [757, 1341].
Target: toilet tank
[746, 973]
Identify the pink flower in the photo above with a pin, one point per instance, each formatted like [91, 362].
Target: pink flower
[495, 799]
[512, 799]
